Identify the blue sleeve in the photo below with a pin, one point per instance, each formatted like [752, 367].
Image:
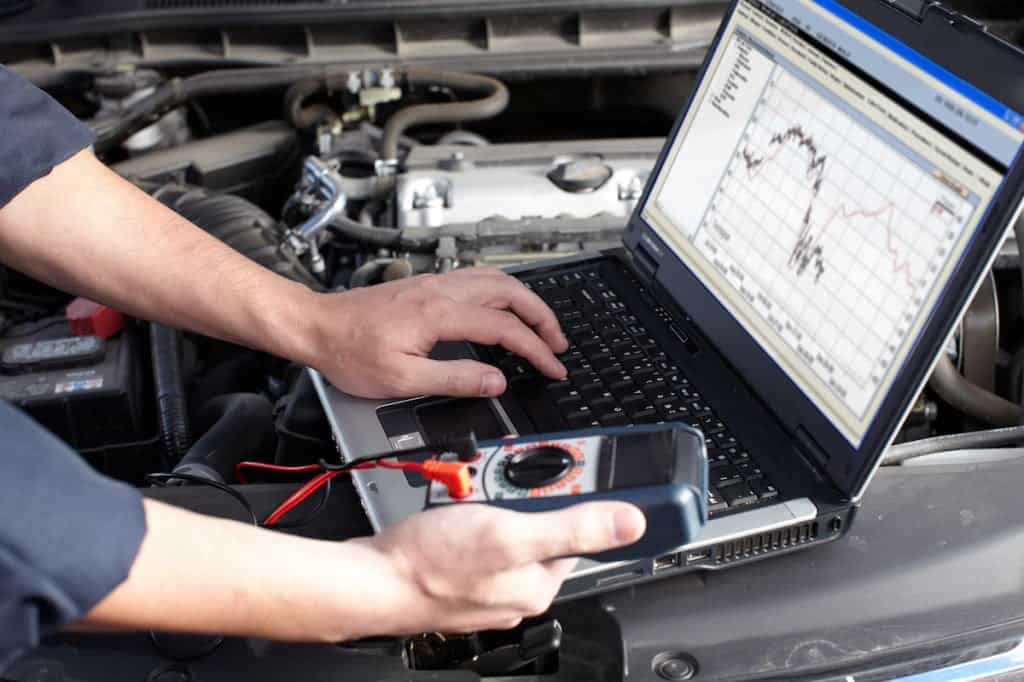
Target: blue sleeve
[36, 134]
[68, 536]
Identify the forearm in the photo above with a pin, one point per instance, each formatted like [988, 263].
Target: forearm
[203, 575]
[86, 230]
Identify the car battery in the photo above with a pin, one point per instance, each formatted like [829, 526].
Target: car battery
[87, 390]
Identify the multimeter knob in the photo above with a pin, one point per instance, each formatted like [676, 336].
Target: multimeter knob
[539, 467]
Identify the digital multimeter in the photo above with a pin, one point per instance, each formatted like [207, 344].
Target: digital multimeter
[661, 469]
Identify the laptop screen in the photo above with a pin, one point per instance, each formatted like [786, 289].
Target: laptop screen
[824, 186]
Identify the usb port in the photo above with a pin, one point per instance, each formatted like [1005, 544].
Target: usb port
[663, 563]
[697, 556]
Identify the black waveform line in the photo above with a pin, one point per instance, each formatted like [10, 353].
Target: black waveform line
[808, 249]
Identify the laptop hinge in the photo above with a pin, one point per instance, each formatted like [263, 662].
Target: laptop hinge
[915, 8]
[812, 452]
[645, 262]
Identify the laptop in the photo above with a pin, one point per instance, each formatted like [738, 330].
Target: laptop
[819, 218]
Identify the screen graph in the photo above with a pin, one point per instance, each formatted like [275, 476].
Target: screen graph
[832, 233]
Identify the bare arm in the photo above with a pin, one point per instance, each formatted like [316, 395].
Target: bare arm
[453, 570]
[86, 230]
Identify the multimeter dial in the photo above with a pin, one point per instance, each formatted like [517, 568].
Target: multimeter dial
[539, 467]
[542, 469]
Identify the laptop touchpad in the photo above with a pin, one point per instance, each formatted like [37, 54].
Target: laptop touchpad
[411, 424]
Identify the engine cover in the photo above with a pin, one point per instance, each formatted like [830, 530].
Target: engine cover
[447, 184]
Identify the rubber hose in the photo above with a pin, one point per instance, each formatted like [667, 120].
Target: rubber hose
[169, 386]
[493, 103]
[238, 223]
[238, 427]
[380, 236]
[970, 398]
[295, 109]
[367, 272]
[960, 441]
[178, 91]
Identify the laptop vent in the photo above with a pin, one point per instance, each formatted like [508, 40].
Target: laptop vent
[225, 4]
[763, 543]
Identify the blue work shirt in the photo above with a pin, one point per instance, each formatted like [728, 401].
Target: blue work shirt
[68, 536]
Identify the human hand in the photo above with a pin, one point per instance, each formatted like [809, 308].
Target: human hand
[374, 342]
[475, 567]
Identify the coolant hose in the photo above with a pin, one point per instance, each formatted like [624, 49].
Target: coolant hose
[970, 398]
[494, 101]
[178, 91]
[295, 109]
[238, 223]
[239, 427]
[381, 237]
[169, 385]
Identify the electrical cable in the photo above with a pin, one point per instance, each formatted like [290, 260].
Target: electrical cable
[313, 513]
[992, 438]
[266, 466]
[40, 326]
[163, 480]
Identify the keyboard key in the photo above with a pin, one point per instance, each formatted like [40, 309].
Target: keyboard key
[616, 306]
[699, 408]
[571, 278]
[710, 424]
[716, 458]
[583, 423]
[662, 394]
[546, 284]
[764, 490]
[635, 353]
[677, 380]
[726, 440]
[715, 501]
[646, 342]
[587, 340]
[738, 495]
[633, 398]
[725, 475]
[737, 455]
[587, 382]
[620, 386]
[558, 389]
[587, 298]
[617, 420]
[603, 406]
[581, 413]
[645, 415]
[749, 471]
[652, 382]
[536, 401]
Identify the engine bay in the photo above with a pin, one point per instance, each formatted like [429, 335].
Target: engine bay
[340, 177]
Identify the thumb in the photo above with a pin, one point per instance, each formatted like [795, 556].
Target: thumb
[456, 378]
[582, 529]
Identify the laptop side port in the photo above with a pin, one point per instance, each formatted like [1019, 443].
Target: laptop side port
[666, 562]
[697, 556]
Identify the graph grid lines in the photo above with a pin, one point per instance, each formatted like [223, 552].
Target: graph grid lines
[834, 225]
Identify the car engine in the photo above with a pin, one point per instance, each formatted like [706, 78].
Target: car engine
[342, 177]
[347, 175]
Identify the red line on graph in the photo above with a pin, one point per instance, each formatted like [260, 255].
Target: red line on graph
[808, 249]
[898, 266]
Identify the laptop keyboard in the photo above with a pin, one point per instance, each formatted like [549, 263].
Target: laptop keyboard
[618, 375]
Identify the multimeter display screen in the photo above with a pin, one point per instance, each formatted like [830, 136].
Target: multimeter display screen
[638, 459]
